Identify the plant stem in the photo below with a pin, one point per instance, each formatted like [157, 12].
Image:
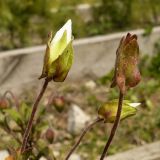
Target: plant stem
[81, 136]
[115, 125]
[30, 122]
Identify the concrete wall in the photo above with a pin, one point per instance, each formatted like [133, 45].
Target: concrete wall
[93, 57]
[146, 152]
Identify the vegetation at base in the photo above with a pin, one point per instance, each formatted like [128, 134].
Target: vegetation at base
[12, 124]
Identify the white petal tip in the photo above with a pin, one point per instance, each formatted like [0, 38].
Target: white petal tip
[69, 22]
[68, 28]
[134, 104]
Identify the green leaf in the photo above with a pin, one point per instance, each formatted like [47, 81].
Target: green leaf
[2, 117]
[25, 111]
[42, 145]
[41, 126]
[108, 110]
[14, 115]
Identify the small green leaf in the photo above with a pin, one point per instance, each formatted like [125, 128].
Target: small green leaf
[42, 145]
[25, 111]
[41, 126]
[2, 117]
[108, 110]
[13, 114]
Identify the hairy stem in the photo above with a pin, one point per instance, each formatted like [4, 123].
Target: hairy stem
[81, 136]
[30, 122]
[115, 125]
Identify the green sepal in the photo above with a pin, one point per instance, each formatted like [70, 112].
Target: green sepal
[61, 66]
[108, 110]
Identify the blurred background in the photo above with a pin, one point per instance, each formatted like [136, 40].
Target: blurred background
[98, 26]
[27, 22]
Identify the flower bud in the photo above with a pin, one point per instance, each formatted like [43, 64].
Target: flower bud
[126, 73]
[59, 103]
[49, 135]
[108, 111]
[3, 103]
[59, 54]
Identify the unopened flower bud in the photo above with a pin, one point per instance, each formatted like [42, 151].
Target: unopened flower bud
[4, 103]
[59, 54]
[126, 73]
[59, 103]
[49, 135]
[108, 111]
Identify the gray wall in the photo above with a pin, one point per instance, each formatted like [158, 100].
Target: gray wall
[145, 152]
[93, 57]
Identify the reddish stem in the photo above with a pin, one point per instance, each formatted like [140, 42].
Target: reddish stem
[115, 125]
[81, 136]
[30, 122]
